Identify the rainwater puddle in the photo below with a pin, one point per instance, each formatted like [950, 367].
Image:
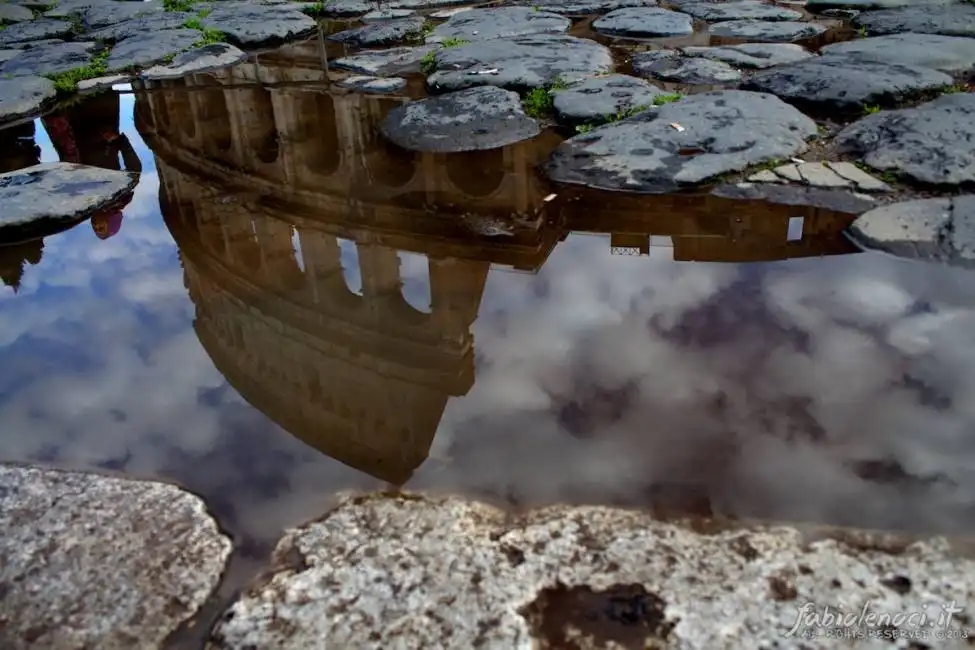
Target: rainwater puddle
[290, 306]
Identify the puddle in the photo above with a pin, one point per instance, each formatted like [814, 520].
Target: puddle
[291, 306]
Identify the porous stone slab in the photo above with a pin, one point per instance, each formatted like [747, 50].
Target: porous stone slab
[599, 98]
[444, 14]
[499, 22]
[520, 63]
[931, 143]
[744, 10]
[938, 230]
[957, 19]
[386, 32]
[950, 54]
[22, 96]
[644, 22]
[148, 49]
[685, 70]
[199, 59]
[148, 24]
[35, 30]
[252, 26]
[683, 143]
[93, 561]
[6, 55]
[49, 59]
[11, 13]
[751, 55]
[846, 83]
[467, 120]
[26, 45]
[385, 63]
[379, 15]
[785, 31]
[110, 12]
[377, 85]
[439, 573]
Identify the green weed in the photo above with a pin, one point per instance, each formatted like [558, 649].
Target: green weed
[862, 32]
[209, 37]
[178, 5]
[453, 42]
[584, 128]
[428, 64]
[660, 100]
[538, 102]
[954, 88]
[870, 110]
[317, 9]
[67, 82]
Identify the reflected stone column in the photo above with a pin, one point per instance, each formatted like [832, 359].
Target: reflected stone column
[379, 267]
[456, 288]
[323, 260]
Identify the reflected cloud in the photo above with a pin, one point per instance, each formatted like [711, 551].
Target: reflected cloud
[292, 306]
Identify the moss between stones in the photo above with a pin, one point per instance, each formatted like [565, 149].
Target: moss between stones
[67, 82]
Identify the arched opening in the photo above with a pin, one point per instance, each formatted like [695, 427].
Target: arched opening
[214, 116]
[350, 265]
[258, 125]
[415, 273]
[389, 165]
[476, 173]
[316, 133]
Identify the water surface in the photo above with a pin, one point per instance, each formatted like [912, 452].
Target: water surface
[289, 306]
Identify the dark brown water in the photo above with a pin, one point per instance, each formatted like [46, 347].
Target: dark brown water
[290, 306]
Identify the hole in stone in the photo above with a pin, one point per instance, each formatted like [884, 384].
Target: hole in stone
[622, 616]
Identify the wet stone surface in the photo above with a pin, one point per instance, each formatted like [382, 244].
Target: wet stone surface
[957, 19]
[483, 24]
[951, 54]
[720, 132]
[102, 14]
[599, 98]
[846, 83]
[253, 26]
[49, 59]
[468, 120]
[555, 577]
[937, 230]
[100, 562]
[798, 195]
[764, 30]
[56, 192]
[752, 55]
[931, 143]
[11, 13]
[145, 50]
[22, 96]
[200, 59]
[385, 63]
[644, 22]
[143, 25]
[387, 14]
[35, 30]
[744, 10]
[385, 32]
[584, 7]
[668, 65]
[520, 63]
[377, 85]
[818, 5]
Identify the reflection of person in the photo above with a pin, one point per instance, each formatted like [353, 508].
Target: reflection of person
[106, 223]
[88, 133]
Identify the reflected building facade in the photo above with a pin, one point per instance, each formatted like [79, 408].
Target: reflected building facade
[264, 171]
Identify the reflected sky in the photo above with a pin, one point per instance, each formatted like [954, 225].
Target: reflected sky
[836, 389]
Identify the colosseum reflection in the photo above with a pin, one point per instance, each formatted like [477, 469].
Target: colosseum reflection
[267, 175]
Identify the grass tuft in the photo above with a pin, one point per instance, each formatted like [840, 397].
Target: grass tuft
[660, 100]
[428, 64]
[870, 110]
[67, 82]
[209, 37]
[315, 10]
[178, 5]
